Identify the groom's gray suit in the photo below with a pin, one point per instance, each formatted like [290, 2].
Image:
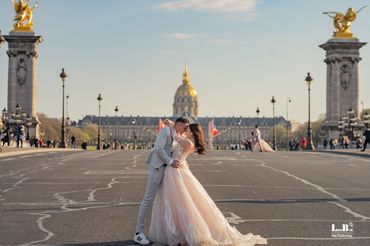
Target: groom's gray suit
[158, 159]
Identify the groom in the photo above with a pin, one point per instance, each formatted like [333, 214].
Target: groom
[158, 159]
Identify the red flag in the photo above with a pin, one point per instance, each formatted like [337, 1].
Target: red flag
[161, 125]
[212, 129]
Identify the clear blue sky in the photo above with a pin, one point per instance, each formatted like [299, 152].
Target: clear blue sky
[134, 53]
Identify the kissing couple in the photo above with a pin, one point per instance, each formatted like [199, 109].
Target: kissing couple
[183, 213]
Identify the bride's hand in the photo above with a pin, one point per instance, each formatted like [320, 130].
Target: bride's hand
[169, 122]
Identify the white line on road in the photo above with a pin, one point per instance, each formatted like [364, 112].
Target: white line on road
[119, 172]
[8, 159]
[91, 197]
[321, 189]
[316, 238]
[105, 154]
[42, 228]
[25, 156]
[15, 186]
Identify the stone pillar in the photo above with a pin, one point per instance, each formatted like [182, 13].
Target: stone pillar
[342, 83]
[22, 74]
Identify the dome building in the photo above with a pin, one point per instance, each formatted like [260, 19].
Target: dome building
[186, 98]
[141, 131]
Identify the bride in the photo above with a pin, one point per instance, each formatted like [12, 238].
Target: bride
[183, 212]
[261, 144]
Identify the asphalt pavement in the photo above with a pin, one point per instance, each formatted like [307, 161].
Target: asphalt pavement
[92, 198]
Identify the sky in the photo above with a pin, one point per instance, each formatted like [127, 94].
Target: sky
[240, 53]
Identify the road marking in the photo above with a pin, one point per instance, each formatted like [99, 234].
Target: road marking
[42, 228]
[105, 154]
[41, 154]
[354, 165]
[207, 171]
[321, 189]
[234, 219]
[216, 185]
[15, 186]
[25, 156]
[316, 238]
[120, 172]
[91, 197]
[8, 159]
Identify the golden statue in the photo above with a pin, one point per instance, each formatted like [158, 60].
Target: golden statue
[342, 23]
[23, 13]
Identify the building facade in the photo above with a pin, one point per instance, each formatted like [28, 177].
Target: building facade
[142, 130]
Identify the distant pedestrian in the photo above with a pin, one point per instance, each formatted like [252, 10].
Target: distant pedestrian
[325, 143]
[6, 137]
[367, 139]
[84, 145]
[332, 143]
[303, 143]
[73, 142]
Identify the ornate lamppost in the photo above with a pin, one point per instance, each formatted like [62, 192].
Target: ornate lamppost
[310, 145]
[98, 147]
[289, 100]
[258, 114]
[116, 134]
[273, 101]
[240, 137]
[62, 143]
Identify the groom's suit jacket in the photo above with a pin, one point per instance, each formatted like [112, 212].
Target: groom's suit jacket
[161, 152]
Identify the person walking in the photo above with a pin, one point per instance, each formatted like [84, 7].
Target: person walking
[367, 139]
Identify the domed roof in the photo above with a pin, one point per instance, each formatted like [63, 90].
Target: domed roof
[186, 89]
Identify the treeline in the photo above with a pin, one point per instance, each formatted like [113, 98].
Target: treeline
[50, 129]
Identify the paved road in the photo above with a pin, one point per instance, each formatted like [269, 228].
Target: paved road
[92, 198]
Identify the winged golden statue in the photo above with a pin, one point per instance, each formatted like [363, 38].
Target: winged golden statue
[23, 13]
[342, 22]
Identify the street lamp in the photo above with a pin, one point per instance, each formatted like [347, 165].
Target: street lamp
[310, 145]
[273, 101]
[62, 143]
[258, 113]
[98, 147]
[289, 100]
[239, 125]
[115, 137]
[67, 119]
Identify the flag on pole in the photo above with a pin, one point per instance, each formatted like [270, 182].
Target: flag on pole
[161, 124]
[212, 129]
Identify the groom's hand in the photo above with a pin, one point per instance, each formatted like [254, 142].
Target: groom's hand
[175, 164]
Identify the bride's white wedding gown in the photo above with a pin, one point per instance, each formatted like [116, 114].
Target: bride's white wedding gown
[183, 212]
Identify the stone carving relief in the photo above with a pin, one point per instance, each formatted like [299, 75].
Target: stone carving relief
[345, 76]
[21, 71]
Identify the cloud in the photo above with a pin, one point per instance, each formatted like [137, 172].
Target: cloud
[183, 36]
[217, 6]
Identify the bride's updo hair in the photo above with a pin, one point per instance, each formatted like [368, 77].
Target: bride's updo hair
[197, 131]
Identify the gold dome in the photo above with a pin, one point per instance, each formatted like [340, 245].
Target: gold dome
[186, 89]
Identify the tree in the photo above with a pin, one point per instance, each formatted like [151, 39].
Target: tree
[280, 136]
[318, 133]
[50, 129]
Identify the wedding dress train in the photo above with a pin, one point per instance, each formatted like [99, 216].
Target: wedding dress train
[184, 213]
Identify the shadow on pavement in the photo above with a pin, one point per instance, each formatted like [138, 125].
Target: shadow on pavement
[357, 154]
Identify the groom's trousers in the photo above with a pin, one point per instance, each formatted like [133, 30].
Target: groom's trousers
[155, 176]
